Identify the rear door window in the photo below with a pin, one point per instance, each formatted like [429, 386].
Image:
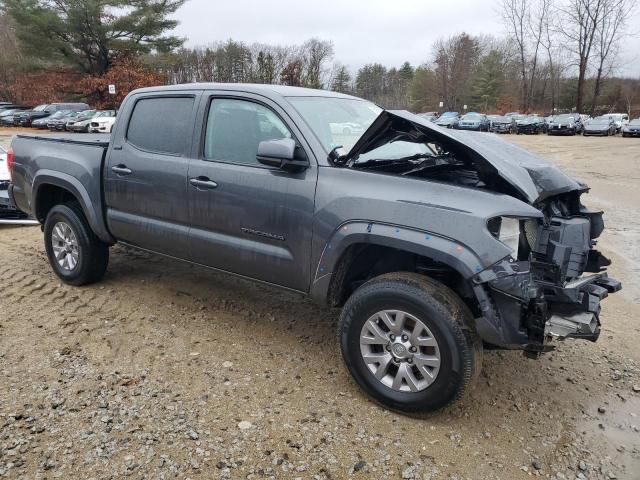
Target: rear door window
[161, 124]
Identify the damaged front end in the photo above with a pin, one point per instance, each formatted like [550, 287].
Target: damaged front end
[543, 294]
[552, 284]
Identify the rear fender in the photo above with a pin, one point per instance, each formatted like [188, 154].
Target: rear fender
[90, 207]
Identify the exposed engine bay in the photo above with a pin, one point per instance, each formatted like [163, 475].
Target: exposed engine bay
[551, 286]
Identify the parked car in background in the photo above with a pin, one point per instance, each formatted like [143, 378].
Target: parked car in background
[530, 125]
[80, 122]
[632, 129]
[473, 121]
[43, 111]
[433, 242]
[41, 123]
[73, 117]
[58, 120]
[620, 120]
[448, 119]
[565, 124]
[346, 128]
[503, 124]
[7, 116]
[430, 116]
[604, 126]
[104, 124]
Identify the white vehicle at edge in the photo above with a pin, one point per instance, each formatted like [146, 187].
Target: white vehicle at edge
[620, 119]
[102, 124]
[4, 169]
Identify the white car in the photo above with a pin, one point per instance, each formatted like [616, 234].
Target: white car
[102, 124]
[620, 119]
[346, 128]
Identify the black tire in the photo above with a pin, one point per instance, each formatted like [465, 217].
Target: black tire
[93, 254]
[444, 314]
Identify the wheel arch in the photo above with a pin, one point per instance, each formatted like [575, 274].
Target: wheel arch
[54, 188]
[357, 251]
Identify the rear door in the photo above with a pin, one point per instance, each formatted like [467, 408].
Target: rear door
[248, 218]
[146, 173]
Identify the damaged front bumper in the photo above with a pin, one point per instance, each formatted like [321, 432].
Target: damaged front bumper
[528, 304]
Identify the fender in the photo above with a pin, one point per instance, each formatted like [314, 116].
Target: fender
[421, 242]
[91, 208]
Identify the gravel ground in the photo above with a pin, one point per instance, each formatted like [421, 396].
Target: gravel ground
[164, 370]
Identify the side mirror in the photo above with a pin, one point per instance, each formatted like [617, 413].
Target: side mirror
[280, 154]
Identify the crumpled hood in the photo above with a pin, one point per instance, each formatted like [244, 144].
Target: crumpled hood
[533, 177]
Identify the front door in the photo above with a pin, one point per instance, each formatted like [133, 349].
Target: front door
[146, 174]
[248, 218]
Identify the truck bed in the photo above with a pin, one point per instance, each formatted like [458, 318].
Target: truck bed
[73, 162]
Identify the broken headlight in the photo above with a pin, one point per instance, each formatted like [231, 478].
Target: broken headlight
[514, 233]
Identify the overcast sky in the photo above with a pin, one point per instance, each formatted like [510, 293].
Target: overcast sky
[363, 31]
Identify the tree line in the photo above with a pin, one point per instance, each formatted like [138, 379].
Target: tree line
[556, 55]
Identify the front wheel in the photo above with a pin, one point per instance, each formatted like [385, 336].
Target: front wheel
[407, 342]
[76, 255]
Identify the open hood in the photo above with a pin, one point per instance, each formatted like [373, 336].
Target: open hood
[534, 178]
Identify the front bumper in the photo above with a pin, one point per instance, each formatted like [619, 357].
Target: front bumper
[527, 129]
[99, 129]
[474, 127]
[564, 130]
[501, 128]
[528, 304]
[631, 133]
[595, 132]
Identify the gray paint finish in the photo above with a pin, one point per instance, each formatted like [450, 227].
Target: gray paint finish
[263, 223]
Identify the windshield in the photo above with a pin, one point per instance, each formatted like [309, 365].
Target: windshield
[449, 114]
[336, 121]
[40, 108]
[472, 116]
[635, 123]
[601, 121]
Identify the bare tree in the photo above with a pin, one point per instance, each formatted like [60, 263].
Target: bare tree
[315, 54]
[10, 57]
[515, 15]
[580, 26]
[609, 32]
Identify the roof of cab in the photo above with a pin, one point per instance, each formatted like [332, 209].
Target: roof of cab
[261, 89]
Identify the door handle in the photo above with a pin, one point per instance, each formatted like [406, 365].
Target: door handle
[203, 183]
[121, 170]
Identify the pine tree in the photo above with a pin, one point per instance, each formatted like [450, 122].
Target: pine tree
[90, 34]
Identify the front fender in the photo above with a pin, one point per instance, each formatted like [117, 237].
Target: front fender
[91, 207]
[421, 242]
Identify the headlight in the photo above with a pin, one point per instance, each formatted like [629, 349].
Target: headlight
[507, 230]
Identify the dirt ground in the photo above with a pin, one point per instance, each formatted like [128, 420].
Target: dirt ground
[164, 370]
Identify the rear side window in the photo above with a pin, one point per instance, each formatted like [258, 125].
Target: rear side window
[161, 124]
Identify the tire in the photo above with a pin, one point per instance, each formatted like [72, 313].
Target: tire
[448, 321]
[92, 254]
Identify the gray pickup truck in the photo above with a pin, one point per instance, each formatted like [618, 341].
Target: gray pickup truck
[435, 243]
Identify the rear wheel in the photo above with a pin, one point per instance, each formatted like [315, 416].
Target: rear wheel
[407, 342]
[76, 255]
